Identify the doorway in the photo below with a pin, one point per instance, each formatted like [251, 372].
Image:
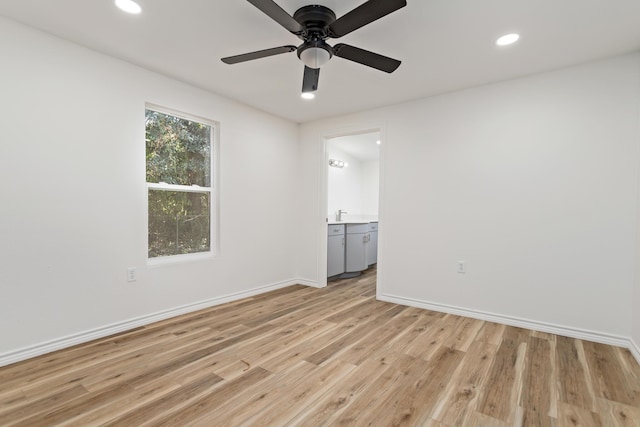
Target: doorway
[353, 187]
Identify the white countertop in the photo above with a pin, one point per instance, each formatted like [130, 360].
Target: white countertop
[352, 221]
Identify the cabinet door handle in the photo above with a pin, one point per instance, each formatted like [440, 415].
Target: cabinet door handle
[343, 242]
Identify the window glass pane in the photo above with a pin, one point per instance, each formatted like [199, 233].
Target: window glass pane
[179, 222]
[178, 150]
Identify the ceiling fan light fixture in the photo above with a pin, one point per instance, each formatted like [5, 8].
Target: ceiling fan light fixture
[507, 39]
[314, 57]
[314, 24]
[129, 6]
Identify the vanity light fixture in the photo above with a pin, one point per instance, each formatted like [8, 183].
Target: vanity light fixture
[337, 163]
[129, 6]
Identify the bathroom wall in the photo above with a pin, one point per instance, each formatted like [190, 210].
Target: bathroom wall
[353, 188]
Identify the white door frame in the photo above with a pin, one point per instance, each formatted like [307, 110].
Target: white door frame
[352, 129]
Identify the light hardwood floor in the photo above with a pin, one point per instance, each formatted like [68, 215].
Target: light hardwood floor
[335, 356]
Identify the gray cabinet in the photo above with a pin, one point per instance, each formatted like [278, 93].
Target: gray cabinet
[335, 250]
[357, 243]
[372, 245]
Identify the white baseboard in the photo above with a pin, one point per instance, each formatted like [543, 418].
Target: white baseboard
[83, 337]
[635, 350]
[308, 282]
[515, 321]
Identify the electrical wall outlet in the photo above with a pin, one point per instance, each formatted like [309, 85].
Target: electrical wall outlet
[131, 274]
[461, 268]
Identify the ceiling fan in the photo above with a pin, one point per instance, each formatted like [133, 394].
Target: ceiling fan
[314, 24]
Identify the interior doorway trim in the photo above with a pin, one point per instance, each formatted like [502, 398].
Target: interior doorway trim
[355, 128]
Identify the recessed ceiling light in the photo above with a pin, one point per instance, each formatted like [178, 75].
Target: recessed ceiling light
[129, 6]
[308, 95]
[507, 39]
[378, 142]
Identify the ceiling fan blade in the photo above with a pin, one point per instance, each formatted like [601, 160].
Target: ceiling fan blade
[258, 54]
[275, 12]
[364, 57]
[310, 79]
[363, 15]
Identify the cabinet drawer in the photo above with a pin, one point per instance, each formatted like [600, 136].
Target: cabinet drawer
[357, 228]
[373, 226]
[336, 230]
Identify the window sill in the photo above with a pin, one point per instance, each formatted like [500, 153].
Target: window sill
[179, 259]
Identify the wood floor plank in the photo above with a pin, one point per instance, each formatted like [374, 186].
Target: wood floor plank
[463, 392]
[477, 419]
[501, 382]
[536, 419]
[11, 399]
[569, 415]
[609, 378]
[335, 400]
[213, 400]
[426, 325]
[370, 398]
[131, 399]
[54, 400]
[371, 346]
[303, 356]
[302, 394]
[73, 408]
[491, 333]
[306, 348]
[256, 353]
[352, 337]
[168, 403]
[574, 389]
[464, 334]
[415, 397]
[432, 339]
[618, 414]
[537, 382]
[237, 408]
[318, 313]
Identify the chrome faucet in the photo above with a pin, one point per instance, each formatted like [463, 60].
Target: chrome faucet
[339, 214]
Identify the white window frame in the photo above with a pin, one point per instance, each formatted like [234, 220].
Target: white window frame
[212, 190]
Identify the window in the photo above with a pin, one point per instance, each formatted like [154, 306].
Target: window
[179, 166]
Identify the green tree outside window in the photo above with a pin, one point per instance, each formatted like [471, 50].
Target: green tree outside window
[178, 157]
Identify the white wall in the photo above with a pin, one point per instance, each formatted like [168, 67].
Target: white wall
[72, 185]
[370, 187]
[344, 185]
[635, 329]
[354, 188]
[532, 182]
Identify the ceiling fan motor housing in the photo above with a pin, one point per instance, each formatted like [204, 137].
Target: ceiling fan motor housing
[315, 20]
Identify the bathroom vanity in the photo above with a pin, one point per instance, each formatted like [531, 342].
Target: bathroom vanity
[352, 247]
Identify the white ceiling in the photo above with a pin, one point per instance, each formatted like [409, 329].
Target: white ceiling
[444, 45]
[360, 146]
